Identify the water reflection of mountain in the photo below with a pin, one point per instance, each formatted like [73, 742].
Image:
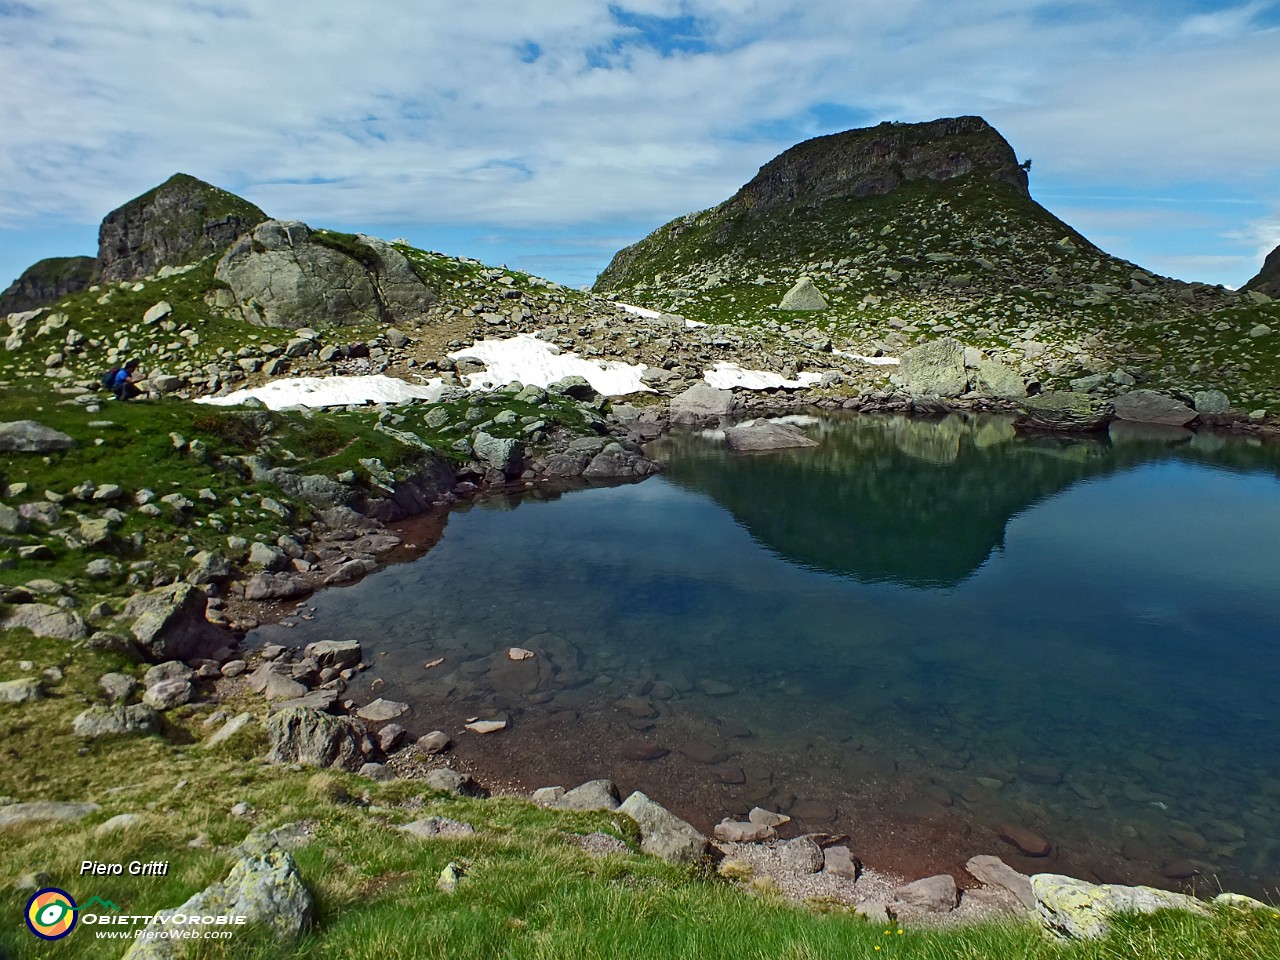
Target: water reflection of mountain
[915, 502]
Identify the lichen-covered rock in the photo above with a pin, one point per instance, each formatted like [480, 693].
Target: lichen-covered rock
[20, 691]
[1212, 401]
[263, 887]
[662, 833]
[103, 721]
[935, 369]
[170, 624]
[1000, 381]
[315, 739]
[284, 275]
[500, 454]
[616, 462]
[1064, 412]
[1076, 910]
[46, 621]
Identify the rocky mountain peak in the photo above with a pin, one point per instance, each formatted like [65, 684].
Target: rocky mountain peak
[46, 281]
[1268, 279]
[181, 221]
[874, 161]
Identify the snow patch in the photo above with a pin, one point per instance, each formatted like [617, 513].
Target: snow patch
[874, 361]
[639, 311]
[527, 359]
[330, 392]
[726, 376]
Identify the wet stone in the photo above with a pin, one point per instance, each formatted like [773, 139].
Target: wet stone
[730, 774]
[1026, 841]
[813, 811]
[642, 752]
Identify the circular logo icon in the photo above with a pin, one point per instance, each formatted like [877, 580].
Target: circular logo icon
[51, 913]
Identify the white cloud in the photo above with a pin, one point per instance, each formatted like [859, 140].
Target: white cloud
[554, 115]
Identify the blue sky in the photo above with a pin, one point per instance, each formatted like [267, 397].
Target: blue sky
[548, 136]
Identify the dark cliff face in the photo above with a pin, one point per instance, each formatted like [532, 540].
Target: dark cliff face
[877, 160]
[1268, 279]
[180, 221]
[46, 281]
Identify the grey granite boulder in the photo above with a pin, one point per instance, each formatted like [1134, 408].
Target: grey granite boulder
[931, 895]
[592, 795]
[662, 833]
[994, 872]
[28, 436]
[498, 454]
[339, 654]
[935, 369]
[803, 295]
[1064, 413]
[170, 624]
[315, 739]
[702, 402]
[20, 691]
[1150, 406]
[103, 721]
[762, 435]
[45, 621]
[45, 811]
[1076, 910]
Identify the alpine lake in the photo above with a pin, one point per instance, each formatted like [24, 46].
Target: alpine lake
[921, 633]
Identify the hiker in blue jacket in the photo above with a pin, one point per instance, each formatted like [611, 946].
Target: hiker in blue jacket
[125, 386]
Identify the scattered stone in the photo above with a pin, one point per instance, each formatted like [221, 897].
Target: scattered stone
[28, 436]
[43, 620]
[377, 771]
[731, 831]
[840, 861]
[121, 821]
[592, 795]
[1148, 406]
[21, 691]
[662, 833]
[315, 739]
[932, 894]
[702, 402]
[486, 726]
[450, 877]
[390, 737]
[382, 711]
[994, 872]
[1027, 841]
[44, 811]
[935, 369]
[451, 781]
[767, 818]
[171, 624]
[547, 796]
[437, 741]
[431, 827]
[230, 729]
[1212, 402]
[763, 434]
[519, 653]
[803, 296]
[167, 694]
[800, 856]
[1064, 412]
[102, 721]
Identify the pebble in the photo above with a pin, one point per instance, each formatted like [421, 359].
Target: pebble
[486, 726]
[643, 752]
[1027, 841]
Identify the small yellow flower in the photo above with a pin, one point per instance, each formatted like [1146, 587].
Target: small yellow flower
[877, 946]
[899, 933]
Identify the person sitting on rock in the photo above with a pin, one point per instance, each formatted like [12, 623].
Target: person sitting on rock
[125, 386]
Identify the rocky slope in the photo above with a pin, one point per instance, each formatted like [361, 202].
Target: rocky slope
[910, 232]
[178, 222]
[46, 281]
[1267, 282]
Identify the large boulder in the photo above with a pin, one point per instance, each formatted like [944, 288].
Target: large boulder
[616, 462]
[1064, 413]
[45, 621]
[104, 721]
[758, 435]
[1149, 406]
[994, 872]
[1000, 381]
[179, 222]
[935, 369]
[499, 454]
[170, 624]
[592, 795]
[315, 739]
[45, 811]
[702, 402]
[803, 296]
[28, 436]
[1075, 910]
[662, 833]
[286, 275]
[264, 887]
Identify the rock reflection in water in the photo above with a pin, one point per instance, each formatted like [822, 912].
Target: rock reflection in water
[913, 637]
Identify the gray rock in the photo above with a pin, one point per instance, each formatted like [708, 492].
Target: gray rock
[45, 811]
[451, 781]
[118, 686]
[840, 862]
[730, 831]
[11, 521]
[169, 670]
[935, 369]
[803, 296]
[1148, 406]
[377, 771]
[437, 741]
[996, 379]
[800, 856]
[592, 795]
[662, 833]
[322, 700]
[121, 821]
[265, 888]
[279, 586]
[994, 872]
[276, 686]
[1075, 910]
[382, 711]
[615, 462]
[390, 737]
[229, 729]
[315, 739]
[43, 620]
[702, 402]
[170, 624]
[576, 387]
[103, 721]
[28, 436]
[100, 569]
[1212, 401]
[267, 557]
[20, 691]
[209, 567]
[339, 654]
[167, 694]
[932, 894]
[547, 796]
[437, 827]
[498, 454]
[284, 276]
[767, 817]
[759, 435]
[1064, 412]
